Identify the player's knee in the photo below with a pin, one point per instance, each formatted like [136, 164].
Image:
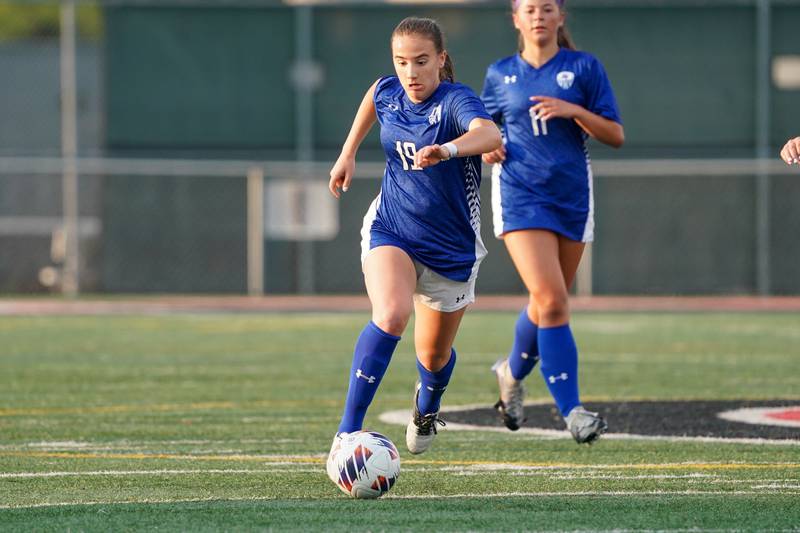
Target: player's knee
[532, 310]
[392, 320]
[552, 308]
[432, 359]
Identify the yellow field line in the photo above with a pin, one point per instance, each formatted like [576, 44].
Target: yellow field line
[45, 411]
[319, 460]
[631, 466]
[222, 405]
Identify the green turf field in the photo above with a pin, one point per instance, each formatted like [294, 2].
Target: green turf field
[222, 422]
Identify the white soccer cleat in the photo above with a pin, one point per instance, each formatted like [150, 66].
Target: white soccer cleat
[585, 426]
[330, 465]
[421, 430]
[512, 396]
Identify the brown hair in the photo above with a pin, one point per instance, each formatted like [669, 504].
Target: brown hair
[563, 38]
[429, 29]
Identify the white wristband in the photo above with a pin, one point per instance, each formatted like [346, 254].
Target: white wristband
[451, 148]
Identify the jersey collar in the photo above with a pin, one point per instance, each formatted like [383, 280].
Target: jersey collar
[543, 66]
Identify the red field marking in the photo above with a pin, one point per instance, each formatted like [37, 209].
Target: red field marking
[215, 304]
[793, 413]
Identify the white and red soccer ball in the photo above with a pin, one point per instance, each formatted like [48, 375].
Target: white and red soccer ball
[364, 464]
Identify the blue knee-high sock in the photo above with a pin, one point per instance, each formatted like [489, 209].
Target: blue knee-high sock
[434, 385]
[371, 358]
[525, 351]
[560, 366]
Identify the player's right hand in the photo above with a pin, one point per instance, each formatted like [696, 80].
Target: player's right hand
[495, 156]
[342, 175]
[791, 151]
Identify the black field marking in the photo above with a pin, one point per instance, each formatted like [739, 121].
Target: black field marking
[674, 418]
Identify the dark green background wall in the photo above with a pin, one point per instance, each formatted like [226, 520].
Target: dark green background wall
[213, 82]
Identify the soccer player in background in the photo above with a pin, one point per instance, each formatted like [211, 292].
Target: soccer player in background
[791, 151]
[549, 98]
[421, 244]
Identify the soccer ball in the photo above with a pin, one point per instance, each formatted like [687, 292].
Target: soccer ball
[365, 465]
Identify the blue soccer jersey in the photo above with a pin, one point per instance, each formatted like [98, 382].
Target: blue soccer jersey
[433, 213]
[546, 180]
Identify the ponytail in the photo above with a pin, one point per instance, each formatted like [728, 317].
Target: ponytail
[447, 72]
[565, 39]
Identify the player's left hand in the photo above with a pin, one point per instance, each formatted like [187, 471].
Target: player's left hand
[430, 155]
[547, 107]
[791, 151]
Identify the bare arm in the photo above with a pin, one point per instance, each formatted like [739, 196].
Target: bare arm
[604, 130]
[482, 136]
[343, 169]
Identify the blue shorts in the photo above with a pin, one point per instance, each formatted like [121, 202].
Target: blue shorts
[515, 208]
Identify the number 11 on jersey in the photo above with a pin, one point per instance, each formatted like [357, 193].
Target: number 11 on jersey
[407, 150]
[539, 126]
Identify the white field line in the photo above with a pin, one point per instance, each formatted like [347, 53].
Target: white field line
[177, 472]
[586, 476]
[114, 473]
[702, 478]
[401, 417]
[569, 475]
[611, 494]
[731, 481]
[593, 493]
[169, 472]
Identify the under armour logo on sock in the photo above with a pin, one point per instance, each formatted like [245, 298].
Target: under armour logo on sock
[434, 388]
[562, 376]
[524, 355]
[360, 374]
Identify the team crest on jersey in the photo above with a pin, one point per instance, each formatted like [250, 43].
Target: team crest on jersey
[436, 115]
[565, 79]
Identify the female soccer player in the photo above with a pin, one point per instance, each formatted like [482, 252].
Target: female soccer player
[421, 243]
[549, 98]
[791, 151]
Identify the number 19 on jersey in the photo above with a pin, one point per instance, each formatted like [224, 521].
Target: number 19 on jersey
[407, 150]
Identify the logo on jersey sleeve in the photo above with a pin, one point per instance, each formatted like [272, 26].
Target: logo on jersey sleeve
[510, 79]
[436, 115]
[565, 79]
